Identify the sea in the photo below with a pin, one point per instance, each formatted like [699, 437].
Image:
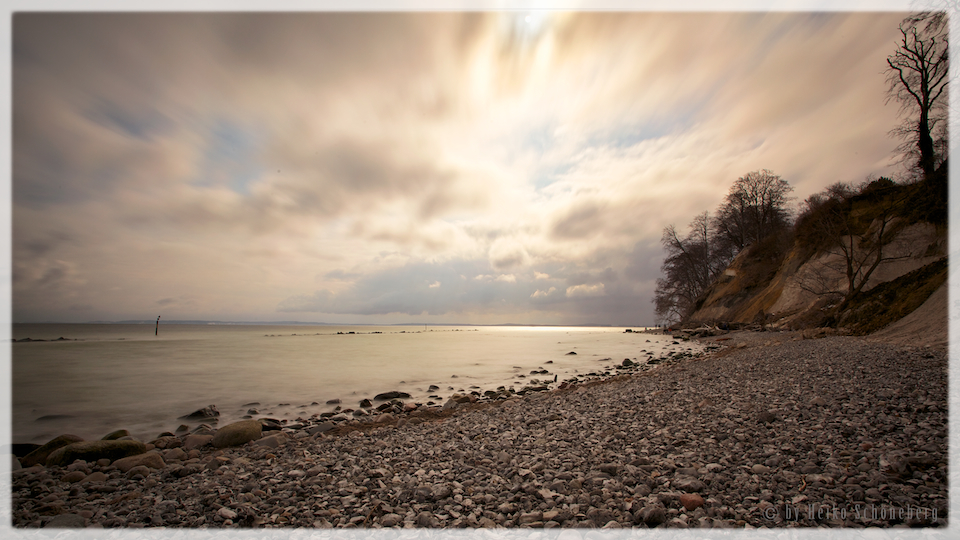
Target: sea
[103, 377]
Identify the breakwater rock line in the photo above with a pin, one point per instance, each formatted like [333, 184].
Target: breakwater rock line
[837, 432]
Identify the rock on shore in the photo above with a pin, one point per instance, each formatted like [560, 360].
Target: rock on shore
[836, 432]
[94, 451]
[237, 433]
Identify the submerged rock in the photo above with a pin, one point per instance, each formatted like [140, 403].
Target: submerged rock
[114, 435]
[53, 417]
[206, 413]
[393, 394]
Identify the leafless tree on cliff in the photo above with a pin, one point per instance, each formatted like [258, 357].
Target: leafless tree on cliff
[754, 208]
[918, 74]
[691, 265]
[855, 230]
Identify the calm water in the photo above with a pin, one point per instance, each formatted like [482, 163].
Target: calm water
[122, 376]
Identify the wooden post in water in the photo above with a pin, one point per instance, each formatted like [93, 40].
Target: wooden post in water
[157, 331]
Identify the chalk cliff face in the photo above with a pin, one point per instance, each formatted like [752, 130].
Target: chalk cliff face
[792, 292]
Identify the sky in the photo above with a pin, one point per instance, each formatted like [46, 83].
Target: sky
[484, 168]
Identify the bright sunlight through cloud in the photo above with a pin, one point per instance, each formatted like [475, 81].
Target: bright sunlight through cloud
[482, 167]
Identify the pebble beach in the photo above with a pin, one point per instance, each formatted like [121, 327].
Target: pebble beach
[765, 430]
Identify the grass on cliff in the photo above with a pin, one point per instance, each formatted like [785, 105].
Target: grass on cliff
[890, 301]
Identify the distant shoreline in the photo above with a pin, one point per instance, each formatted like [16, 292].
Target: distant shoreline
[307, 323]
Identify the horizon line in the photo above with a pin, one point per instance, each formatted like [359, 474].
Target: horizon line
[309, 323]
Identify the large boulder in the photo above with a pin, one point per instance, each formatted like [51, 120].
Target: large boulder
[91, 451]
[40, 455]
[150, 459]
[237, 433]
[209, 412]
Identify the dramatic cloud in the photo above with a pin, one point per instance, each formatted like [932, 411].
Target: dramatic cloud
[400, 167]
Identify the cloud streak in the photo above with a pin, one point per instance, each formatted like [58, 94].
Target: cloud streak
[365, 167]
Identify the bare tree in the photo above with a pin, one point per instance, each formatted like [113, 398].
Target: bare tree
[754, 208]
[918, 76]
[857, 236]
[691, 265]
